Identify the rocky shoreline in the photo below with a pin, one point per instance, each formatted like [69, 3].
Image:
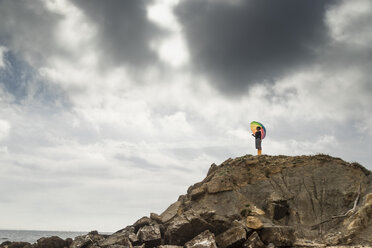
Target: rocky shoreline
[253, 202]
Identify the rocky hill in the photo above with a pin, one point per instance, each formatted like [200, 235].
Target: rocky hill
[256, 202]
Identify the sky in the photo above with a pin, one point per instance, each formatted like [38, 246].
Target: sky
[109, 110]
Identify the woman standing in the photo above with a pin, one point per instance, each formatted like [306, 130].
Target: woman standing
[257, 135]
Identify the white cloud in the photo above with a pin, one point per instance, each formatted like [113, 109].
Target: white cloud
[350, 22]
[171, 49]
[73, 32]
[4, 129]
[2, 51]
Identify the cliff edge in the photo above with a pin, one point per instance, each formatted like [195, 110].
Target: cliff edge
[258, 201]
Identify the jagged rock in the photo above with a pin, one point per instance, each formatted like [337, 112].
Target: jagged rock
[133, 238]
[278, 235]
[185, 227]
[212, 169]
[144, 221]
[81, 242]
[219, 185]
[234, 237]
[256, 211]
[86, 241]
[254, 241]
[197, 192]
[129, 232]
[150, 235]
[116, 239]
[204, 240]
[253, 223]
[51, 242]
[218, 223]
[270, 245]
[169, 246]
[93, 232]
[155, 217]
[170, 212]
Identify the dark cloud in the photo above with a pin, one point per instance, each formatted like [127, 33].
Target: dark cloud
[124, 30]
[244, 42]
[27, 28]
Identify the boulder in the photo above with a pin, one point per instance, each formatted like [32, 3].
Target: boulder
[257, 211]
[170, 212]
[204, 240]
[219, 223]
[144, 221]
[150, 235]
[212, 168]
[219, 184]
[9, 244]
[81, 242]
[278, 235]
[5, 244]
[197, 192]
[155, 217]
[253, 222]
[86, 241]
[185, 227]
[51, 242]
[270, 245]
[69, 241]
[116, 239]
[129, 232]
[233, 237]
[254, 241]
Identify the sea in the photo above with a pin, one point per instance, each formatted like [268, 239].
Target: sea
[33, 236]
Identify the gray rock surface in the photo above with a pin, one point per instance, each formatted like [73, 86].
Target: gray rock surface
[116, 239]
[300, 191]
[234, 237]
[185, 227]
[278, 235]
[150, 235]
[51, 242]
[254, 241]
[170, 212]
[204, 240]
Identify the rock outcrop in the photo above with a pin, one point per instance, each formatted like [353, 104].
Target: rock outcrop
[256, 202]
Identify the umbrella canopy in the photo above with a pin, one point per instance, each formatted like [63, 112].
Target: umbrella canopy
[255, 124]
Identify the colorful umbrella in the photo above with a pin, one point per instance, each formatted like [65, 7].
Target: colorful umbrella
[255, 124]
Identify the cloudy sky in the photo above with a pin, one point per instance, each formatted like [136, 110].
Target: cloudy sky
[110, 109]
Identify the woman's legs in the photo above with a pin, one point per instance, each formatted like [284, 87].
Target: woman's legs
[258, 146]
